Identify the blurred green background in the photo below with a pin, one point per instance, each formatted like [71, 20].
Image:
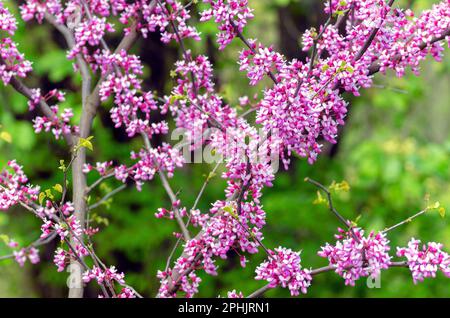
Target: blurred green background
[393, 151]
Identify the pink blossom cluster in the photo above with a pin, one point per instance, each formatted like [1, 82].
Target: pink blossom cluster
[163, 16]
[200, 67]
[89, 33]
[109, 276]
[405, 40]
[425, 261]
[14, 187]
[235, 294]
[8, 22]
[305, 104]
[170, 214]
[101, 276]
[223, 232]
[63, 228]
[194, 104]
[355, 255]
[248, 164]
[126, 293]
[58, 124]
[198, 219]
[160, 16]
[35, 9]
[259, 61]
[72, 11]
[131, 110]
[49, 210]
[283, 268]
[60, 259]
[164, 158]
[229, 15]
[187, 283]
[298, 114]
[101, 167]
[23, 254]
[12, 62]
[148, 162]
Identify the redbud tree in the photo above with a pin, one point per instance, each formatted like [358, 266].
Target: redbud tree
[302, 108]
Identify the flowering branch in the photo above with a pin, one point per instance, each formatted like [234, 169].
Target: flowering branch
[304, 106]
[260, 292]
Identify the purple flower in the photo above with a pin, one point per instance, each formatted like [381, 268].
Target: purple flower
[426, 261]
[283, 268]
[356, 256]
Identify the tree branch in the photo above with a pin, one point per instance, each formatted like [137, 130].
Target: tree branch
[260, 292]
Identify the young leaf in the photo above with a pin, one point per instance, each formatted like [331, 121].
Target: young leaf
[6, 136]
[49, 194]
[41, 197]
[4, 238]
[320, 199]
[441, 212]
[62, 166]
[85, 143]
[57, 187]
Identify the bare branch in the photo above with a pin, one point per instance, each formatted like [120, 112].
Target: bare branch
[107, 197]
[332, 208]
[405, 221]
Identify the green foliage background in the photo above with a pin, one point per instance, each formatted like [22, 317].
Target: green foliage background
[394, 150]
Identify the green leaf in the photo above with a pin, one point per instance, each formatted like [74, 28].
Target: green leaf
[49, 194]
[230, 211]
[211, 175]
[57, 187]
[62, 166]
[6, 136]
[320, 199]
[4, 238]
[41, 197]
[85, 143]
[340, 186]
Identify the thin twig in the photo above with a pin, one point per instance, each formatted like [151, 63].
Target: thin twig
[205, 184]
[197, 200]
[98, 181]
[247, 43]
[314, 272]
[107, 196]
[332, 208]
[170, 192]
[38, 242]
[405, 221]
